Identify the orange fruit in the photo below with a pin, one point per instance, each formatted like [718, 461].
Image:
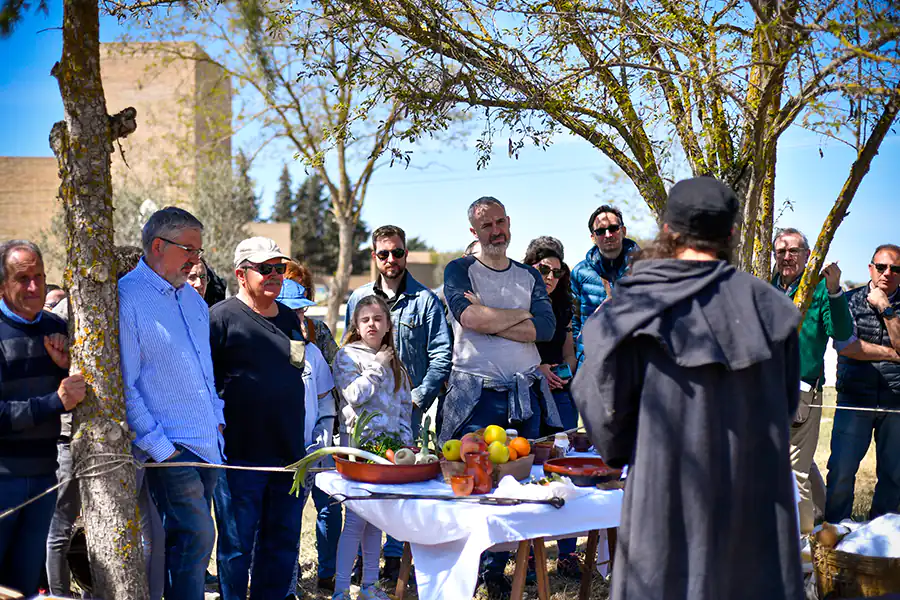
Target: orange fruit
[513, 455]
[521, 446]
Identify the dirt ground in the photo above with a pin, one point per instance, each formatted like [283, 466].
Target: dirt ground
[562, 589]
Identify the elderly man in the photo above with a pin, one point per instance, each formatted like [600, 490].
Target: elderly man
[35, 390]
[170, 395]
[692, 376]
[869, 377]
[594, 278]
[258, 352]
[827, 317]
[499, 310]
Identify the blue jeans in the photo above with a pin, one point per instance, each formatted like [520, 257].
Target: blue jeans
[183, 495]
[568, 414]
[328, 531]
[850, 441]
[259, 530]
[23, 534]
[493, 409]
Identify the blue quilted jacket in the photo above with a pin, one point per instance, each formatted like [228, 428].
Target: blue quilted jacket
[588, 289]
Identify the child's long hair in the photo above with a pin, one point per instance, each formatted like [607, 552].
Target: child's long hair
[353, 335]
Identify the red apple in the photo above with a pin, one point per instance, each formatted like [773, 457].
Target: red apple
[471, 442]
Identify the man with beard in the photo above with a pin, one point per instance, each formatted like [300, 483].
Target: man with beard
[594, 278]
[421, 337]
[170, 394]
[868, 376]
[499, 309]
[827, 317]
[692, 377]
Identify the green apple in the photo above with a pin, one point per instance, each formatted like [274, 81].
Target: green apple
[451, 449]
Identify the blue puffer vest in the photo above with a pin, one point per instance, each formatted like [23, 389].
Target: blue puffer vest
[588, 289]
[868, 383]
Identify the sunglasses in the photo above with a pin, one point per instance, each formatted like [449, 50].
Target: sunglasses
[396, 253]
[601, 231]
[266, 269]
[545, 270]
[881, 268]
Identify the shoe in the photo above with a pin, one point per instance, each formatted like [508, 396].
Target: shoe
[497, 587]
[325, 583]
[569, 567]
[356, 574]
[372, 592]
[341, 595]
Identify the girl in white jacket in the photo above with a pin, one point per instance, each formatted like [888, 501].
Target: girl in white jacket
[371, 379]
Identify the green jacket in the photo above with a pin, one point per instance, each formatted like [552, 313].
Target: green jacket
[826, 318]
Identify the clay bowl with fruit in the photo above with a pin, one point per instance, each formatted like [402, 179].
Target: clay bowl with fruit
[372, 473]
[584, 472]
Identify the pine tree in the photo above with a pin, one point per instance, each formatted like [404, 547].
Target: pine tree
[245, 198]
[308, 227]
[283, 211]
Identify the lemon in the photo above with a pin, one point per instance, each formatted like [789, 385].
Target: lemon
[494, 433]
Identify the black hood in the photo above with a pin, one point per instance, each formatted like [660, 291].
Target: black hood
[701, 312]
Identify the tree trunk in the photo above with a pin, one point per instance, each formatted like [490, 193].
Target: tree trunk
[346, 226]
[858, 170]
[101, 444]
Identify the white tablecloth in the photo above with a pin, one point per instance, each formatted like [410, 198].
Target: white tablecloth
[447, 538]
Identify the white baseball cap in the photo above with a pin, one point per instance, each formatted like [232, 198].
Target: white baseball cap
[257, 250]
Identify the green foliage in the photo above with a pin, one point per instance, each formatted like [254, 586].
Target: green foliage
[12, 11]
[416, 244]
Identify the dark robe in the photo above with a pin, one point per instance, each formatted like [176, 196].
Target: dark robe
[692, 376]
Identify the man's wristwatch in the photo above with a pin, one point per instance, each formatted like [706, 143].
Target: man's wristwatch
[888, 313]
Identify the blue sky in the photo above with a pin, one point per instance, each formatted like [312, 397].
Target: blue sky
[548, 192]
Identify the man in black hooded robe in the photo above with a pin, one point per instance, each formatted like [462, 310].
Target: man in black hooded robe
[692, 379]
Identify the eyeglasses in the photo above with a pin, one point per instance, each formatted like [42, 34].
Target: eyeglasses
[793, 252]
[396, 253]
[881, 268]
[601, 231]
[545, 270]
[266, 269]
[196, 252]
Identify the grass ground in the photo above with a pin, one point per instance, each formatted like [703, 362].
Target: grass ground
[568, 590]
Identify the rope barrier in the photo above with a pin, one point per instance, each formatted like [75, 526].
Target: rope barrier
[126, 459]
[888, 411]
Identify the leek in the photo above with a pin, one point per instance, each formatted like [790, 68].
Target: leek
[301, 467]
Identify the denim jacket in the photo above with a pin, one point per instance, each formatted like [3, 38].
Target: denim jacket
[421, 335]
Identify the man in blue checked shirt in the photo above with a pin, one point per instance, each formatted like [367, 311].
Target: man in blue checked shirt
[170, 393]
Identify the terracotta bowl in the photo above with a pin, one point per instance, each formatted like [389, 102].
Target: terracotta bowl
[541, 452]
[584, 472]
[372, 473]
[580, 441]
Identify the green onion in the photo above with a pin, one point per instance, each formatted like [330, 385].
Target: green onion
[302, 466]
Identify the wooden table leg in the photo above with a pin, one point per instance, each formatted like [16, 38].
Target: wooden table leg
[612, 534]
[518, 582]
[540, 565]
[405, 568]
[590, 564]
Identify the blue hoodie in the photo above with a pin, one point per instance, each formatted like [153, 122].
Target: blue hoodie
[588, 289]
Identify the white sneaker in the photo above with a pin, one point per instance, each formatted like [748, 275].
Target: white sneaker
[372, 592]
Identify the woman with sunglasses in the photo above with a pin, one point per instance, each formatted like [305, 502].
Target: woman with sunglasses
[558, 359]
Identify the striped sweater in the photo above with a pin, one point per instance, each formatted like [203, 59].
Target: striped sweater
[29, 404]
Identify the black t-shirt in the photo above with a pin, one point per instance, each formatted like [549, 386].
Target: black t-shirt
[262, 391]
[552, 351]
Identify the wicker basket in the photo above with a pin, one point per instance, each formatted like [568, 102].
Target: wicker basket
[845, 575]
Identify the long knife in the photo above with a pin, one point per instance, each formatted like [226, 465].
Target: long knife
[487, 500]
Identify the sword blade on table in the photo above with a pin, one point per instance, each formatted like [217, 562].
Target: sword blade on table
[487, 500]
